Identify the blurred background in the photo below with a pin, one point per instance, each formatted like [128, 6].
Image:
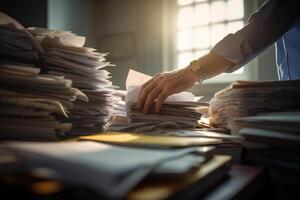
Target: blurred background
[150, 36]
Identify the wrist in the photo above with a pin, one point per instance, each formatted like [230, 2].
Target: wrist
[209, 66]
[198, 69]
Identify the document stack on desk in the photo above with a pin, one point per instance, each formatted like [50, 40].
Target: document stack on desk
[279, 132]
[245, 98]
[66, 56]
[16, 42]
[179, 111]
[120, 113]
[30, 102]
[114, 172]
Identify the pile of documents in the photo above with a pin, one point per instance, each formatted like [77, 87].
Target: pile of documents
[275, 124]
[180, 111]
[120, 113]
[30, 102]
[66, 56]
[16, 42]
[245, 98]
[103, 168]
[279, 132]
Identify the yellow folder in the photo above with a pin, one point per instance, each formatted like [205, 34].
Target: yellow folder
[136, 139]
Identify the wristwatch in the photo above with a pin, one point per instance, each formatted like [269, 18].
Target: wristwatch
[197, 67]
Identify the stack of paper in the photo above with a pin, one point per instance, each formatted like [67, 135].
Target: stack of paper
[179, 110]
[120, 113]
[266, 115]
[30, 102]
[66, 56]
[279, 133]
[16, 43]
[243, 98]
[104, 169]
[277, 129]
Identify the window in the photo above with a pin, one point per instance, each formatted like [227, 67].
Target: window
[201, 24]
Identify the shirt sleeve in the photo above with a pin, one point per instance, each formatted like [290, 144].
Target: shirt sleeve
[263, 28]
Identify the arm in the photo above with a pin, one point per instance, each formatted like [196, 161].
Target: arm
[264, 27]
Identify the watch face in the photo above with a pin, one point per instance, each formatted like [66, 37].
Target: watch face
[196, 65]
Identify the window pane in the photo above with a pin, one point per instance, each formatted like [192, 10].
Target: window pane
[202, 37]
[184, 59]
[185, 39]
[235, 9]
[184, 2]
[202, 14]
[218, 31]
[185, 17]
[198, 54]
[217, 11]
[232, 27]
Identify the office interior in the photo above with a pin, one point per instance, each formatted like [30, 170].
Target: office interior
[155, 36]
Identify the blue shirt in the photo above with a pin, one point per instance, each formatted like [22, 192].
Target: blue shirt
[276, 21]
[288, 54]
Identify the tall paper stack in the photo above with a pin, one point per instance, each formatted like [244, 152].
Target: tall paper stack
[29, 101]
[66, 56]
[245, 98]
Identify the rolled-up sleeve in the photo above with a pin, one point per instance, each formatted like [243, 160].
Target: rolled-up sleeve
[263, 28]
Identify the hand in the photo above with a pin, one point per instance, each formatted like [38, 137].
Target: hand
[163, 85]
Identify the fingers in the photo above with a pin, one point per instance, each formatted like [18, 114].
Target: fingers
[143, 95]
[146, 89]
[160, 100]
[151, 98]
[163, 85]
[158, 88]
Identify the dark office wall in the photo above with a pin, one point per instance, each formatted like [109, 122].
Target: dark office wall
[131, 30]
[70, 15]
[74, 15]
[27, 12]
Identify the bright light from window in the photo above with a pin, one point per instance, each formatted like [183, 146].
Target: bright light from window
[232, 27]
[235, 9]
[185, 17]
[184, 2]
[217, 11]
[185, 58]
[202, 37]
[185, 39]
[218, 31]
[202, 14]
[203, 23]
